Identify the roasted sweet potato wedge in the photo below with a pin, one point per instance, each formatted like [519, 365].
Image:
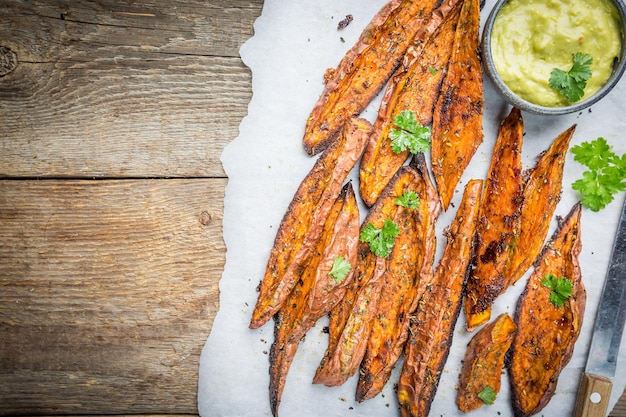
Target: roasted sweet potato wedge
[317, 292]
[301, 227]
[351, 320]
[498, 222]
[369, 64]
[414, 89]
[457, 128]
[483, 363]
[542, 193]
[409, 271]
[432, 325]
[548, 322]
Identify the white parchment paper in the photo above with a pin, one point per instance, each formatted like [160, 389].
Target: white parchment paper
[294, 43]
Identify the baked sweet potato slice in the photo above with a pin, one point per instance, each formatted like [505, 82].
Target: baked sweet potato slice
[483, 362]
[301, 227]
[547, 332]
[351, 320]
[414, 89]
[432, 325]
[369, 64]
[457, 128]
[542, 193]
[498, 222]
[317, 292]
[409, 271]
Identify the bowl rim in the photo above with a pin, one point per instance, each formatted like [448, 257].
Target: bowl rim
[522, 104]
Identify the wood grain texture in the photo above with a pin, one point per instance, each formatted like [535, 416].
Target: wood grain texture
[108, 293]
[118, 89]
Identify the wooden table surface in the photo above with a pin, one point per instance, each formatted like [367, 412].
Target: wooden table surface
[113, 116]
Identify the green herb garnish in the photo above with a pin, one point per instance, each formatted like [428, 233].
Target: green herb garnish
[340, 269]
[606, 175]
[380, 240]
[409, 134]
[571, 84]
[487, 395]
[560, 288]
[408, 199]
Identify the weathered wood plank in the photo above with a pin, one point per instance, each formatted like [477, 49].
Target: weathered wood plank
[108, 291]
[114, 89]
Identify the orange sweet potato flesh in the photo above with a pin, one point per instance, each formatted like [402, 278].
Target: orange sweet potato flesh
[415, 89]
[409, 271]
[301, 227]
[317, 292]
[369, 64]
[432, 325]
[457, 128]
[546, 334]
[542, 193]
[484, 360]
[351, 320]
[498, 222]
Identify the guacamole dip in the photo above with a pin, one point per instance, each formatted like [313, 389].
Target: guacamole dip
[532, 37]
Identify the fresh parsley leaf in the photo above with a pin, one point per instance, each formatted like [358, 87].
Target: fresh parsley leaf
[409, 134]
[408, 199]
[340, 269]
[487, 395]
[606, 175]
[432, 70]
[571, 84]
[560, 288]
[380, 240]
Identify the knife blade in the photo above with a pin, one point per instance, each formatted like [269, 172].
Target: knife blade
[594, 390]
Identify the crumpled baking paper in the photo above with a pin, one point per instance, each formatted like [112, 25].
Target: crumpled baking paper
[294, 43]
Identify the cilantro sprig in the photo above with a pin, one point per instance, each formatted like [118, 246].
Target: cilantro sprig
[606, 174]
[380, 240]
[340, 269]
[409, 134]
[409, 199]
[560, 288]
[487, 395]
[571, 84]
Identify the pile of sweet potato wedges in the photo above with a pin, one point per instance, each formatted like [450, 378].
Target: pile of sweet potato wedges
[377, 280]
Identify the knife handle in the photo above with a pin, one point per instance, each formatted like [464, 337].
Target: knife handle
[592, 399]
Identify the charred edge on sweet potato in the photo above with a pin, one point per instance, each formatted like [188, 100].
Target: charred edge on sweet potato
[542, 193]
[432, 325]
[369, 64]
[457, 119]
[316, 292]
[546, 334]
[498, 222]
[409, 271]
[301, 227]
[350, 321]
[415, 89]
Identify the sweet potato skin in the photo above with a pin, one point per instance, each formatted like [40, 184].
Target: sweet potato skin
[498, 222]
[415, 88]
[351, 320]
[409, 271]
[432, 325]
[457, 129]
[301, 227]
[546, 334]
[484, 360]
[368, 65]
[317, 292]
[542, 193]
